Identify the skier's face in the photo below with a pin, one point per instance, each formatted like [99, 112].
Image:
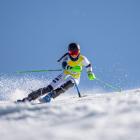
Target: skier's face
[74, 56]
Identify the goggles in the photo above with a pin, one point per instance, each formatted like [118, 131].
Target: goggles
[74, 53]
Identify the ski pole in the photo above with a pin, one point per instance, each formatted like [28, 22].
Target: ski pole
[31, 71]
[109, 85]
[78, 91]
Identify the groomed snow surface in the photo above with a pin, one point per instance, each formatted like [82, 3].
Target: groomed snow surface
[98, 116]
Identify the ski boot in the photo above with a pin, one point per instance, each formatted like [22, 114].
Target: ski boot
[46, 99]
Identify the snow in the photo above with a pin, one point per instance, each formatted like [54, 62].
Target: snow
[98, 116]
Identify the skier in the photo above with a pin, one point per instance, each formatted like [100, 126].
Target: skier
[72, 63]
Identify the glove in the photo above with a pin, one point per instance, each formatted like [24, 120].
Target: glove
[91, 76]
[75, 69]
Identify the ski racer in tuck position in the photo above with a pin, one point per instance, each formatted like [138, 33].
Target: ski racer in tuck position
[72, 63]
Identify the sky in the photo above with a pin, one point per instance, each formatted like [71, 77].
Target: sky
[35, 33]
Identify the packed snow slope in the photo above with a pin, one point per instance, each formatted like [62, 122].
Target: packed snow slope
[113, 116]
[97, 116]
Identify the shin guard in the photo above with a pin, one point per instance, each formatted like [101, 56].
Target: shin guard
[62, 89]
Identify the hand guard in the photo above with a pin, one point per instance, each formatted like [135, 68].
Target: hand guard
[91, 76]
[75, 69]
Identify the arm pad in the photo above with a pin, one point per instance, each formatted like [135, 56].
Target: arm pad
[64, 65]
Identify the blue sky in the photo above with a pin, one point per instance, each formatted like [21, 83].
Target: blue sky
[35, 33]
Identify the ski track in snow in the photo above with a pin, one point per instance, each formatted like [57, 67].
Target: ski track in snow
[111, 116]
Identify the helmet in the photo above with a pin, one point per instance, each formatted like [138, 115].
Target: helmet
[74, 49]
